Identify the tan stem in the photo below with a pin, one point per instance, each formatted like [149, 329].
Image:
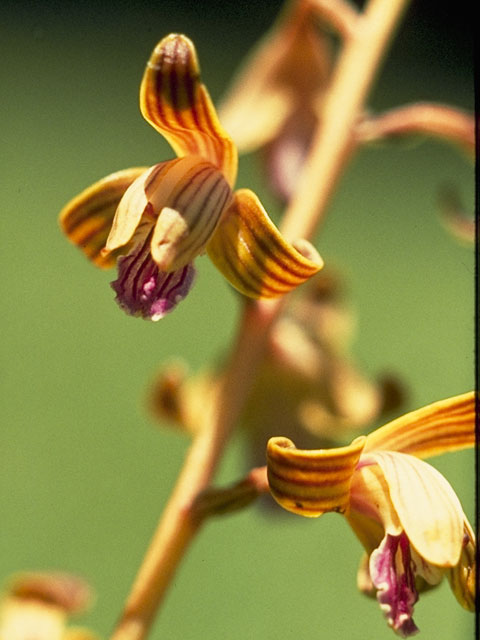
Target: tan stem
[332, 144]
[178, 523]
[439, 120]
[356, 68]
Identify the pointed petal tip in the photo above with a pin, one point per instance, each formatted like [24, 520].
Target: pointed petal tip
[176, 103]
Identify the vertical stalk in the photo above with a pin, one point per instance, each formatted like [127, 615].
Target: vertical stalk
[178, 526]
[354, 74]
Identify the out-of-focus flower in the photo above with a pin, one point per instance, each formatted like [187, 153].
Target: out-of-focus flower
[404, 512]
[37, 607]
[159, 219]
[275, 100]
[307, 386]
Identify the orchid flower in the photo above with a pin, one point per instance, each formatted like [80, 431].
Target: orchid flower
[157, 220]
[37, 607]
[404, 512]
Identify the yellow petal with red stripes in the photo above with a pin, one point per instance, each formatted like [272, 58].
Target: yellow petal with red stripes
[254, 256]
[447, 425]
[311, 482]
[86, 220]
[175, 102]
[190, 214]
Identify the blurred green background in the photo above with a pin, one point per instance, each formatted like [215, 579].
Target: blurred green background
[84, 471]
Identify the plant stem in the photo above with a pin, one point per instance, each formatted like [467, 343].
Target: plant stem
[355, 71]
[178, 525]
[353, 76]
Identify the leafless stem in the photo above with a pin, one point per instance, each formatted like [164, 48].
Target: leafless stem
[218, 501]
[179, 522]
[357, 66]
[333, 142]
[439, 120]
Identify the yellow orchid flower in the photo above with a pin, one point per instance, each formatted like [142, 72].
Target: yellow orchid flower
[159, 219]
[404, 512]
[37, 606]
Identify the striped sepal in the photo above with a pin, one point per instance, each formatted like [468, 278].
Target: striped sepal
[311, 482]
[176, 103]
[253, 255]
[87, 219]
[447, 425]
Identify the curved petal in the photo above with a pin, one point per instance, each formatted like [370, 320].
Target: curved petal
[185, 226]
[311, 482]
[372, 513]
[87, 219]
[426, 505]
[253, 255]
[150, 188]
[177, 104]
[443, 426]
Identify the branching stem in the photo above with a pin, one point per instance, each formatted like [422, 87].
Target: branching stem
[355, 71]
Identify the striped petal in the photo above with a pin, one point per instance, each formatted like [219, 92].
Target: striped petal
[149, 191]
[443, 426]
[177, 104]
[185, 226]
[426, 505]
[253, 255]
[185, 197]
[311, 483]
[87, 219]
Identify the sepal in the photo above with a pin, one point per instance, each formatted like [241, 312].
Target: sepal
[176, 103]
[87, 219]
[253, 255]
